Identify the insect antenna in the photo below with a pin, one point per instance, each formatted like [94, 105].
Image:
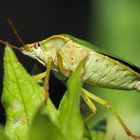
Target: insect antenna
[7, 44]
[13, 27]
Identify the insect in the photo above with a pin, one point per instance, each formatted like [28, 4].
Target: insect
[62, 54]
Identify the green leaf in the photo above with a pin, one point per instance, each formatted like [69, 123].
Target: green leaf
[51, 111]
[2, 134]
[21, 97]
[44, 129]
[70, 119]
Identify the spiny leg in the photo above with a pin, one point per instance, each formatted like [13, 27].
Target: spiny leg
[109, 106]
[91, 106]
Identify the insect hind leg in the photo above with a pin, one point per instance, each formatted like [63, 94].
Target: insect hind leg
[109, 106]
[91, 106]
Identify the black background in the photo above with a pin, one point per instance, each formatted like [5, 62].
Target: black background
[38, 19]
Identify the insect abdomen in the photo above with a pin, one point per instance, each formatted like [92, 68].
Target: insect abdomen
[106, 72]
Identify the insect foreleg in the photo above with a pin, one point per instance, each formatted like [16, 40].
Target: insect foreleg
[46, 81]
[45, 75]
[91, 106]
[60, 62]
[64, 72]
[109, 106]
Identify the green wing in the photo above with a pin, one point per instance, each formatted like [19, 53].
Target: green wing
[103, 52]
[84, 43]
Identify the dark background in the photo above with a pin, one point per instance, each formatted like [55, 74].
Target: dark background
[36, 20]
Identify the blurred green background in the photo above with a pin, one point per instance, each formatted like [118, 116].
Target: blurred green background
[117, 25]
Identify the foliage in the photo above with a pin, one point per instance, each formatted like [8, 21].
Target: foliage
[28, 117]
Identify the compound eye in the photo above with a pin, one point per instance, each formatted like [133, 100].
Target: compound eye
[36, 45]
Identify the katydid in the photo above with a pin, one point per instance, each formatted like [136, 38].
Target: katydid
[62, 54]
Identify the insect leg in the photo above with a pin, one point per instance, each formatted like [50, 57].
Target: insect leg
[109, 106]
[39, 76]
[64, 72]
[45, 75]
[46, 81]
[90, 104]
[60, 63]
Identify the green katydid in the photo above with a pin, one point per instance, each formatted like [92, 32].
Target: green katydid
[62, 54]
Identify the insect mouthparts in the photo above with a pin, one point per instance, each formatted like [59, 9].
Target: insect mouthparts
[27, 48]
